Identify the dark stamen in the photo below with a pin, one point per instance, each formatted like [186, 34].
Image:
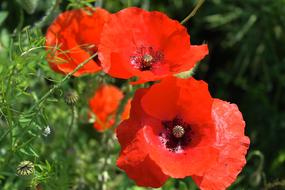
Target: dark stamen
[145, 58]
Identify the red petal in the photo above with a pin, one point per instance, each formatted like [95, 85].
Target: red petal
[138, 165]
[160, 101]
[231, 142]
[104, 105]
[195, 105]
[69, 45]
[195, 54]
[127, 109]
[127, 129]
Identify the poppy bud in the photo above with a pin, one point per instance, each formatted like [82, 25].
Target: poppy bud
[25, 168]
[71, 97]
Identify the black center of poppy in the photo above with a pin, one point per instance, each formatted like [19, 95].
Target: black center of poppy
[145, 58]
[176, 134]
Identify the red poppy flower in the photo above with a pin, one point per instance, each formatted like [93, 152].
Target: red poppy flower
[148, 45]
[72, 38]
[176, 129]
[104, 104]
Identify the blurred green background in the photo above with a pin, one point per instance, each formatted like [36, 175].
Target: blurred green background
[246, 66]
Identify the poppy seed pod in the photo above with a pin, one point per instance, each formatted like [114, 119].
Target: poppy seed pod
[71, 97]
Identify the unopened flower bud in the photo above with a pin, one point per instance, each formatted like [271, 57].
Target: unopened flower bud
[71, 97]
[25, 168]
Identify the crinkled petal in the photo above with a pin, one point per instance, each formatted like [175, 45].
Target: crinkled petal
[231, 142]
[69, 45]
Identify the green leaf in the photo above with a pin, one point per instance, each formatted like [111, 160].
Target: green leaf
[182, 185]
[188, 74]
[3, 16]
[29, 5]
[33, 152]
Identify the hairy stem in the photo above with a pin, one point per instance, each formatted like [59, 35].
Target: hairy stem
[193, 12]
[62, 81]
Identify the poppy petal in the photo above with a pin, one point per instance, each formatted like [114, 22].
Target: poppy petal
[160, 101]
[124, 132]
[233, 145]
[104, 105]
[134, 160]
[72, 38]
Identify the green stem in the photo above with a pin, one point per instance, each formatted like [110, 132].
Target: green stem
[24, 144]
[258, 154]
[62, 81]
[106, 154]
[193, 12]
[130, 3]
[71, 124]
[49, 12]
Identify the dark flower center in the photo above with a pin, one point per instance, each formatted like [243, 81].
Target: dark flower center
[145, 58]
[176, 134]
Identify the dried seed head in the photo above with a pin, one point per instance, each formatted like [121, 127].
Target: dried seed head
[71, 97]
[25, 168]
[178, 131]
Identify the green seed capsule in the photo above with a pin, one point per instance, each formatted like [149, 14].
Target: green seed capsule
[25, 168]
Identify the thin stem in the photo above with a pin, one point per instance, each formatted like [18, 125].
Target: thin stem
[258, 154]
[71, 123]
[279, 183]
[106, 154]
[62, 81]
[48, 14]
[24, 144]
[193, 12]
[130, 3]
